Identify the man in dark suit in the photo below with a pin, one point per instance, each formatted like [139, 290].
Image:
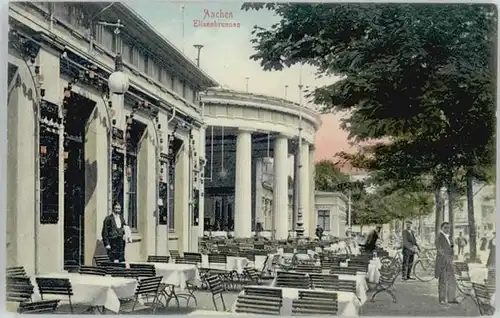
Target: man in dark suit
[410, 247]
[371, 240]
[444, 269]
[113, 234]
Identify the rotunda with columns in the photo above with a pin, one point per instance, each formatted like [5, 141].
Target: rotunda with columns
[250, 171]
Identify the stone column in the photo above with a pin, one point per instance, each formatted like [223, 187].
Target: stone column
[21, 218]
[280, 188]
[259, 206]
[243, 185]
[96, 182]
[304, 186]
[312, 189]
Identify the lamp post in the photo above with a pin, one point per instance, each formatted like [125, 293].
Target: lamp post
[300, 221]
[118, 84]
[349, 204]
[247, 79]
[286, 91]
[198, 47]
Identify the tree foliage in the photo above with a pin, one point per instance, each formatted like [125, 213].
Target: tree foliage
[368, 206]
[420, 75]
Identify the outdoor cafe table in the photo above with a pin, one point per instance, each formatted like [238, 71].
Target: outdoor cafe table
[175, 274]
[478, 273]
[234, 263]
[348, 303]
[91, 290]
[361, 286]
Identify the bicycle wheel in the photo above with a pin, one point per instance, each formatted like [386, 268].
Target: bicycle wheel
[423, 270]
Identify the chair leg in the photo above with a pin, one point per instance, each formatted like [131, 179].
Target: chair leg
[215, 304]
[223, 303]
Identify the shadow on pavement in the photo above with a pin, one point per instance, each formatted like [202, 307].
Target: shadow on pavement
[415, 298]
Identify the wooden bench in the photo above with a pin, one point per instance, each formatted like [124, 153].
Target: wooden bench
[264, 292]
[262, 305]
[309, 307]
[292, 280]
[483, 299]
[340, 270]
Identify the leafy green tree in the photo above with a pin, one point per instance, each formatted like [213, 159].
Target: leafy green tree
[420, 75]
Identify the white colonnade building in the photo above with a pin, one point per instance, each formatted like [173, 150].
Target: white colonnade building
[74, 146]
[250, 142]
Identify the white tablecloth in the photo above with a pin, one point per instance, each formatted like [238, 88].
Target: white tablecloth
[373, 274]
[176, 274]
[361, 286]
[478, 273]
[348, 302]
[234, 263]
[94, 290]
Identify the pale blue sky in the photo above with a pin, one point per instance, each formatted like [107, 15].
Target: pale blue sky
[226, 51]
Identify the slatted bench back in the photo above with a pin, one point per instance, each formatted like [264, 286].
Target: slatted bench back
[54, 286]
[193, 257]
[315, 295]
[217, 258]
[215, 284]
[19, 289]
[143, 270]
[16, 271]
[264, 292]
[307, 307]
[158, 259]
[38, 307]
[261, 305]
[292, 280]
[92, 270]
[323, 281]
[148, 285]
[340, 270]
[307, 268]
[98, 259]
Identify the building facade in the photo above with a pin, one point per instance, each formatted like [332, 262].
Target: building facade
[331, 213]
[250, 145]
[143, 149]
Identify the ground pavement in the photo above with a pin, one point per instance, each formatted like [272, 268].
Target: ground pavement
[416, 298]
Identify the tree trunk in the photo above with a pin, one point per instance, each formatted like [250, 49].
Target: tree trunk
[449, 191]
[470, 216]
[438, 211]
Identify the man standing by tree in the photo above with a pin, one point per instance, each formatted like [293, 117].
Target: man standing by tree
[461, 242]
[410, 247]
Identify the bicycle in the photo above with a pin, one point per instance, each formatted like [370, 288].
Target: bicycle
[423, 267]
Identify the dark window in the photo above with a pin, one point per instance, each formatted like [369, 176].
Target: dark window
[132, 190]
[196, 208]
[135, 131]
[118, 177]
[167, 196]
[49, 175]
[324, 219]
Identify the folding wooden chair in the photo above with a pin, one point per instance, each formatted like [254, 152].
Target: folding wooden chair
[55, 286]
[38, 307]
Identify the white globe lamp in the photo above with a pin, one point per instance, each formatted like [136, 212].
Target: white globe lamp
[118, 83]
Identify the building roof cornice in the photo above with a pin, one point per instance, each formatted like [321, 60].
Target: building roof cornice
[214, 94]
[135, 23]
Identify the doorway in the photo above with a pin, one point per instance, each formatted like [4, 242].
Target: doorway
[77, 113]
